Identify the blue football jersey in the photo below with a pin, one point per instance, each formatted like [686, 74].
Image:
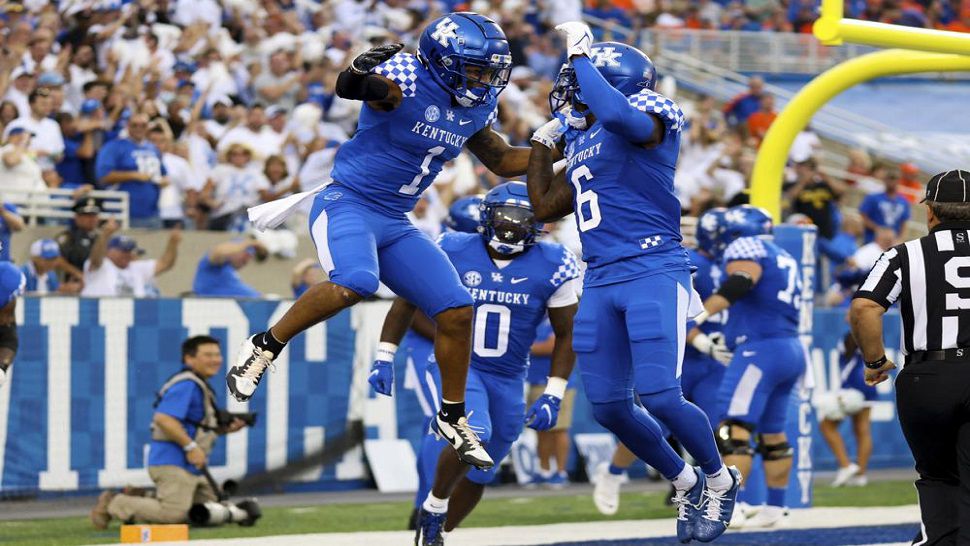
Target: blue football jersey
[12, 283]
[510, 302]
[771, 308]
[394, 156]
[707, 279]
[624, 196]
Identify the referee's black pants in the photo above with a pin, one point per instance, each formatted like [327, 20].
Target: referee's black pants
[933, 403]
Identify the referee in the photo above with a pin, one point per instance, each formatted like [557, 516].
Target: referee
[930, 277]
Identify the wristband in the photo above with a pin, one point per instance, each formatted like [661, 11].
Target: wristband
[556, 386]
[190, 446]
[876, 364]
[386, 351]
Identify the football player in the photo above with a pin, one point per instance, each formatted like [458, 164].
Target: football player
[12, 285]
[621, 144]
[514, 281]
[762, 286]
[419, 112]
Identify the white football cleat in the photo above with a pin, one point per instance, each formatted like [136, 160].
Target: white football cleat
[859, 480]
[844, 474]
[464, 440]
[771, 517]
[606, 493]
[251, 364]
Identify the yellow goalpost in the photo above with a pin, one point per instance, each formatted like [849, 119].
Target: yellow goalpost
[925, 51]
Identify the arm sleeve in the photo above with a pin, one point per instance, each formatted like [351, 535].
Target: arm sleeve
[564, 296]
[885, 280]
[611, 108]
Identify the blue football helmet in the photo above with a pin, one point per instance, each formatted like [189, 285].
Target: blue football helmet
[508, 223]
[464, 214]
[745, 221]
[467, 55]
[625, 67]
[709, 228]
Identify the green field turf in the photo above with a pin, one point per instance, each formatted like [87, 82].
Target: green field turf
[392, 516]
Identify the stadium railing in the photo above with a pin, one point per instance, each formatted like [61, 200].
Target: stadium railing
[37, 207]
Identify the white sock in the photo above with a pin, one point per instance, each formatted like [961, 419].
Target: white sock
[546, 473]
[720, 480]
[686, 479]
[435, 505]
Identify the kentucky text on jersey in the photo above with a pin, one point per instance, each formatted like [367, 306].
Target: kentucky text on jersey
[498, 296]
[582, 155]
[440, 135]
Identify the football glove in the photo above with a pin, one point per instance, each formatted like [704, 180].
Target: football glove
[381, 377]
[544, 413]
[549, 134]
[714, 346]
[578, 36]
[366, 61]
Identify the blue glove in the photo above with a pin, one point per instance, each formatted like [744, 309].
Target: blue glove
[544, 413]
[381, 377]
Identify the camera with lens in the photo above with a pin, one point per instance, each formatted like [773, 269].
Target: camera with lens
[225, 417]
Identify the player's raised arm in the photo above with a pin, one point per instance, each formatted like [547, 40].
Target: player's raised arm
[358, 83]
[551, 198]
[497, 155]
[609, 105]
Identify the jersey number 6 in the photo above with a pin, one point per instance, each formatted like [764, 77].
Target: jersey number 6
[589, 196]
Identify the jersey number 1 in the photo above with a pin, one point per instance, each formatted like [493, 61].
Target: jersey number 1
[582, 197]
[414, 186]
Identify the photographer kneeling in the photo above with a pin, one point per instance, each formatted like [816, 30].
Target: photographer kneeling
[184, 429]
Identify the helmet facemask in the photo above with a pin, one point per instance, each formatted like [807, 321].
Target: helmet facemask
[472, 82]
[509, 229]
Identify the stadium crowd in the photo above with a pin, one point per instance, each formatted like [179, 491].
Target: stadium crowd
[199, 109]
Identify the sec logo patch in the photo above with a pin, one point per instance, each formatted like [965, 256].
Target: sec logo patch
[432, 114]
[472, 278]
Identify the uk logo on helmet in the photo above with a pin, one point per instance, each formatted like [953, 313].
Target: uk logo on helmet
[606, 56]
[445, 31]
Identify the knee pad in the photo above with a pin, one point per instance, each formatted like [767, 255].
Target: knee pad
[364, 283]
[660, 403]
[774, 452]
[727, 444]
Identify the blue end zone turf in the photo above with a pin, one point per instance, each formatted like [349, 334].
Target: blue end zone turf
[838, 536]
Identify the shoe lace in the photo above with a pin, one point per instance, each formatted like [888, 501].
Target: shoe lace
[682, 503]
[467, 432]
[713, 504]
[254, 368]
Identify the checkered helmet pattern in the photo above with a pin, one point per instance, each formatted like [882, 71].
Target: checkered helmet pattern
[652, 102]
[401, 69]
[745, 248]
[568, 269]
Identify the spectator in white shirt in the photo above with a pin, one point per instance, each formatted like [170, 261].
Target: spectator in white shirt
[79, 73]
[22, 83]
[48, 142]
[279, 85]
[38, 57]
[233, 186]
[262, 140]
[220, 121]
[113, 270]
[182, 192]
[18, 170]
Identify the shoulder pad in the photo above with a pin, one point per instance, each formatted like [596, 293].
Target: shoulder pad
[746, 248]
[401, 69]
[652, 102]
[565, 262]
[454, 240]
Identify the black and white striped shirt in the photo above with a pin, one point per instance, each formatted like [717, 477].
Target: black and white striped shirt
[930, 277]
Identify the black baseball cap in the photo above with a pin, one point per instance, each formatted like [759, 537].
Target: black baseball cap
[949, 187]
[87, 205]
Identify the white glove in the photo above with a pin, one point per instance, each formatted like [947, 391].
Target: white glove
[573, 118]
[714, 346]
[578, 36]
[550, 133]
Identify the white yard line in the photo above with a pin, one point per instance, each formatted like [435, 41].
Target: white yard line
[813, 518]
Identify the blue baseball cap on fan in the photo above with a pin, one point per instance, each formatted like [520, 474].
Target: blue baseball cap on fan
[47, 249]
[125, 244]
[90, 106]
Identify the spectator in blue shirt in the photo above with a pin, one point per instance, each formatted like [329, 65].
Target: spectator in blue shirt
[40, 271]
[78, 150]
[885, 210]
[218, 271]
[742, 106]
[184, 429]
[10, 222]
[134, 165]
